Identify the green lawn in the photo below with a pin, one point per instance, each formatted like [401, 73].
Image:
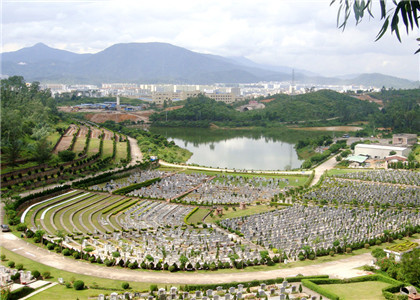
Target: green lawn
[121, 151]
[198, 216]
[79, 145]
[334, 172]
[231, 213]
[368, 290]
[93, 146]
[108, 148]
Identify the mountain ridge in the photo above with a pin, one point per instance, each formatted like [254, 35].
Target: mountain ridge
[158, 62]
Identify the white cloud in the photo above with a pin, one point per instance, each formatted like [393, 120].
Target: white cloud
[301, 34]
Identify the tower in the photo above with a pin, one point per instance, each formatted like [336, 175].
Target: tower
[292, 88]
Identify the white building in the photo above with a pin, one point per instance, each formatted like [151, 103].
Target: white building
[380, 151]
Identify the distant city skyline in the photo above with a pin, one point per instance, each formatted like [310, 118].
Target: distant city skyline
[297, 34]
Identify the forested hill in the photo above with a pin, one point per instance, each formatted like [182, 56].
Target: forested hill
[28, 116]
[317, 106]
[401, 110]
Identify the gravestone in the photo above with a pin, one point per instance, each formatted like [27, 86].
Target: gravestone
[113, 296]
[232, 290]
[285, 283]
[101, 297]
[239, 295]
[227, 296]
[282, 296]
[240, 287]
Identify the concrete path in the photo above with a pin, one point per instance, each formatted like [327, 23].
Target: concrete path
[166, 164]
[319, 170]
[343, 268]
[39, 291]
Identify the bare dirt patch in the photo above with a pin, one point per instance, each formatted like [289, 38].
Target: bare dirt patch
[66, 139]
[83, 131]
[117, 116]
[329, 128]
[174, 107]
[370, 99]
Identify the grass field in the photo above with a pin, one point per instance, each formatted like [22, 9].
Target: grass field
[368, 290]
[121, 151]
[333, 172]
[198, 216]
[80, 144]
[108, 148]
[93, 146]
[231, 213]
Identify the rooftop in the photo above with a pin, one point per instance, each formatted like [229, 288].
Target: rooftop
[380, 147]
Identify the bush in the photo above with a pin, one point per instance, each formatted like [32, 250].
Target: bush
[46, 274]
[66, 252]
[76, 255]
[11, 264]
[2, 257]
[66, 155]
[78, 285]
[125, 285]
[153, 288]
[19, 267]
[21, 227]
[36, 274]
[50, 246]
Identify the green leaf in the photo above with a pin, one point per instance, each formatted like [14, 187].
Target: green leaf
[383, 29]
[383, 9]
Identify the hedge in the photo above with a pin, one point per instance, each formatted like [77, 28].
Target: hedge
[313, 284]
[130, 188]
[320, 290]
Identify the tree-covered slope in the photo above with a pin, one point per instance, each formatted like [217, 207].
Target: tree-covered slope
[317, 106]
[28, 115]
[401, 110]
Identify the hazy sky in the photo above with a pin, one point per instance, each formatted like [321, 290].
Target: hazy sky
[299, 34]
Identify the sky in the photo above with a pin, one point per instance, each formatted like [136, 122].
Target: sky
[298, 34]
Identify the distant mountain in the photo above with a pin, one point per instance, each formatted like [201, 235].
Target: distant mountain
[158, 63]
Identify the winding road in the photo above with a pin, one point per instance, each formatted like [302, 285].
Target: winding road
[342, 268]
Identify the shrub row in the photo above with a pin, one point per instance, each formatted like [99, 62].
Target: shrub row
[73, 141]
[314, 284]
[132, 187]
[86, 148]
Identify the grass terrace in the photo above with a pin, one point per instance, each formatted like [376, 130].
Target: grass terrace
[107, 148]
[93, 146]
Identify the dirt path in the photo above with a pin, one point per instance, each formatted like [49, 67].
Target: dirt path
[343, 268]
[136, 154]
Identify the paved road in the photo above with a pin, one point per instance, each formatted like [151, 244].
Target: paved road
[343, 268]
[166, 164]
[319, 170]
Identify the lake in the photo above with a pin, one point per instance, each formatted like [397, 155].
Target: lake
[271, 149]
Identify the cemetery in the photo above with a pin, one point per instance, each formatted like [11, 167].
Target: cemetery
[337, 191]
[146, 227]
[403, 177]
